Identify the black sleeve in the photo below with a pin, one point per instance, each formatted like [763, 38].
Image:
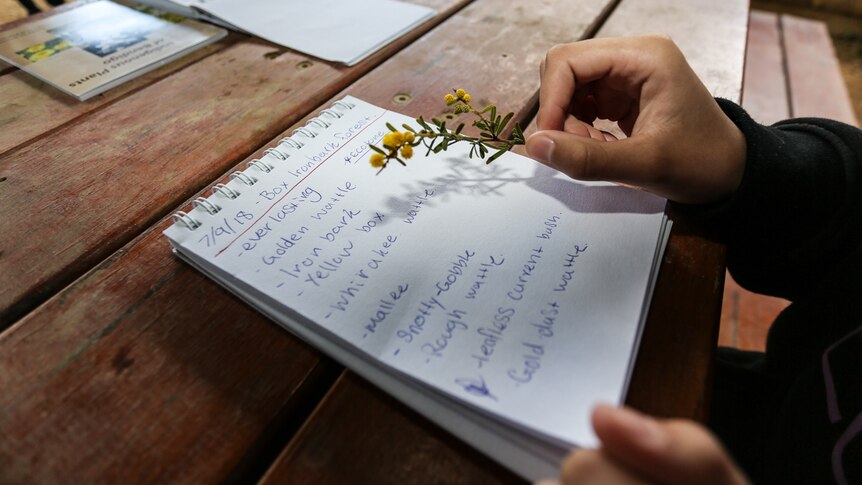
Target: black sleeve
[798, 210]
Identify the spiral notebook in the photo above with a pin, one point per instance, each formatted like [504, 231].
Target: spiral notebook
[501, 301]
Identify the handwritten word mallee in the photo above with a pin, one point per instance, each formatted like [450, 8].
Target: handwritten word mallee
[385, 307]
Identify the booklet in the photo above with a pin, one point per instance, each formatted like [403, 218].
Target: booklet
[344, 31]
[501, 301]
[98, 45]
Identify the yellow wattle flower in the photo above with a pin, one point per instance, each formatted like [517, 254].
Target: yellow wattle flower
[460, 93]
[393, 140]
[409, 136]
[407, 151]
[466, 97]
[450, 99]
[376, 160]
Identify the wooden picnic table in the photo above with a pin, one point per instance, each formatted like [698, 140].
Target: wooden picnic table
[120, 363]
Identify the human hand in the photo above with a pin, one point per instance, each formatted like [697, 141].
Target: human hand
[679, 144]
[637, 449]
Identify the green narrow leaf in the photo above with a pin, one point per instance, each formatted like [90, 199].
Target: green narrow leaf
[377, 150]
[518, 132]
[391, 128]
[408, 127]
[423, 123]
[439, 148]
[458, 130]
[496, 155]
[493, 112]
[503, 123]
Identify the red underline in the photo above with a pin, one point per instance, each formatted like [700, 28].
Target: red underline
[297, 184]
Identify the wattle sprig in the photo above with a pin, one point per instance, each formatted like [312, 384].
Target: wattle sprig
[436, 137]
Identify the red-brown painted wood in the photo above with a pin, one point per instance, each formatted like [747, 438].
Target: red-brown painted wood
[746, 317]
[145, 371]
[814, 75]
[361, 435]
[764, 92]
[115, 172]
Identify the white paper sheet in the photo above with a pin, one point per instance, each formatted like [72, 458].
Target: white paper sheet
[507, 287]
[334, 30]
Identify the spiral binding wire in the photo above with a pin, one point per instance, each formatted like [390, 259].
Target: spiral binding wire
[278, 152]
[291, 142]
[185, 219]
[206, 204]
[261, 165]
[225, 191]
[244, 178]
[305, 132]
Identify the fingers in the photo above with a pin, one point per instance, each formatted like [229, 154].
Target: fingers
[592, 467]
[671, 452]
[586, 155]
[568, 68]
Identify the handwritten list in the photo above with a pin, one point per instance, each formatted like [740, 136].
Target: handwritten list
[508, 288]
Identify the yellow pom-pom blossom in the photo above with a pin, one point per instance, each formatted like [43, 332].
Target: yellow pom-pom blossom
[377, 160]
[407, 151]
[450, 99]
[393, 140]
[466, 97]
[409, 136]
[460, 93]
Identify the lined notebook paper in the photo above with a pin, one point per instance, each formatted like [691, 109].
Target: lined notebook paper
[502, 301]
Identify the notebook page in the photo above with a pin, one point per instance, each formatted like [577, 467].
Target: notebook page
[334, 30]
[507, 286]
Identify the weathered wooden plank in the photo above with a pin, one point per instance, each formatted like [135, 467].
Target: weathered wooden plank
[36, 108]
[719, 61]
[334, 447]
[814, 75]
[764, 91]
[128, 376]
[124, 167]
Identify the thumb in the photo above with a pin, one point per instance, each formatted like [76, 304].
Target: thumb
[586, 158]
[670, 451]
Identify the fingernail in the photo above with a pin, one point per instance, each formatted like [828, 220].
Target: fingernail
[644, 429]
[541, 148]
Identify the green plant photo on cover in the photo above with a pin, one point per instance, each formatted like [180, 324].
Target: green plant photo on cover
[436, 137]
